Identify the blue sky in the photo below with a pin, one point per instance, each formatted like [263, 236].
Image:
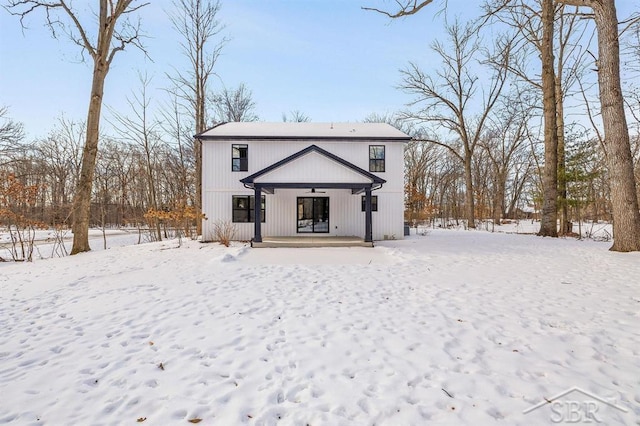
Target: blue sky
[326, 58]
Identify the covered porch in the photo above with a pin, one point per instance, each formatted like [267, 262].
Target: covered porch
[315, 170]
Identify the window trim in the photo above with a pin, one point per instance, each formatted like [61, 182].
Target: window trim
[243, 162]
[375, 163]
[374, 203]
[248, 209]
[327, 201]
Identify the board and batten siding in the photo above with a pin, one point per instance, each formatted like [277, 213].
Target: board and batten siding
[346, 217]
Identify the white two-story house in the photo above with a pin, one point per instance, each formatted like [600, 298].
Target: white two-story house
[310, 180]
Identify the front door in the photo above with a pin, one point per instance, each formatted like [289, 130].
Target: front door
[313, 214]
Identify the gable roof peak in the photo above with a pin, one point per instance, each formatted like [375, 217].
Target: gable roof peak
[313, 148]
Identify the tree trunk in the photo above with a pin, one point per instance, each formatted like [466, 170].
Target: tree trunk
[200, 99]
[468, 181]
[197, 24]
[200, 102]
[562, 178]
[82, 199]
[549, 221]
[152, 186]
[624, 200]
[499, 204]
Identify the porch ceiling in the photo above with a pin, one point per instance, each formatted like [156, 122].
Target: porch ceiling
[270, 187]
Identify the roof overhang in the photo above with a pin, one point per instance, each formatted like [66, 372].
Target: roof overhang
[256, 131]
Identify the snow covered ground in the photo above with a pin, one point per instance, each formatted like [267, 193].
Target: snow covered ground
[46, 241]
[454, 327]
[597, 231]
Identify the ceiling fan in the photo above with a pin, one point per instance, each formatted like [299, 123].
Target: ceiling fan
[315, 191]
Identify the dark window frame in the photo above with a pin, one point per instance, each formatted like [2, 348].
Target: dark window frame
[239, 162]
[245, 213]
[377, 161]
[326, 201]
[374, 203]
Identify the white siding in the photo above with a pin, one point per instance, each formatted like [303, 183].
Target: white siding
[313, 167]
[345, 215]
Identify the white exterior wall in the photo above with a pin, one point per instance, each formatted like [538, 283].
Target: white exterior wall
[219, 184]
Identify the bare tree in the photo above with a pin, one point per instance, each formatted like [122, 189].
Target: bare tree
[113, 33]
[180, 139]
[234, 105]
[197, 24]
[505, 146]
[140, 129]
[420, 157]
[11, 134]
[634, 42]
[398, 121]
[520, 182]
[405, 8]
[549, 220]
[104, 189]
[444, 101]
[616, 141]
[524, 16]
[61, 154]
[617, 146]
[569, 25]
[123, 170]
[295, 116]
[631, 54]
[536, 27]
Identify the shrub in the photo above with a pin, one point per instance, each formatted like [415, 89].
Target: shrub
[16, 199]
[224, 232]
[179, 221]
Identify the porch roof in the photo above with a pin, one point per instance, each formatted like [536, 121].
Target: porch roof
[359, 178]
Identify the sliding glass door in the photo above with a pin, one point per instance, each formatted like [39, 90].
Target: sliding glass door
[313, 214]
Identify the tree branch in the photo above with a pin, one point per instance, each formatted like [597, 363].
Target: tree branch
[406, 8]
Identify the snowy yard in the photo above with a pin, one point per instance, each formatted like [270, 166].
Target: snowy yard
[455, 327]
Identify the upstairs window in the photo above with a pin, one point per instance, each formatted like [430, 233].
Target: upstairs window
[376, 158]
[239, 158]
[374, 203]
[243, 208]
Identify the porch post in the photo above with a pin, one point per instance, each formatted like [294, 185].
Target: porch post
[368, 237]
[257, 214]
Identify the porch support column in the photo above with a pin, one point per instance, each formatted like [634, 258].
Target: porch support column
[257, 214]
[368, 234]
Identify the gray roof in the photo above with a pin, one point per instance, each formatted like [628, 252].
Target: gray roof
[261, 130]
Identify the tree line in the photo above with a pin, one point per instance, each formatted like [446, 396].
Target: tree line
[496, 135]
[545, 58]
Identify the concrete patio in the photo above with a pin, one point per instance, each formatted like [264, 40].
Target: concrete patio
[315, 241]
